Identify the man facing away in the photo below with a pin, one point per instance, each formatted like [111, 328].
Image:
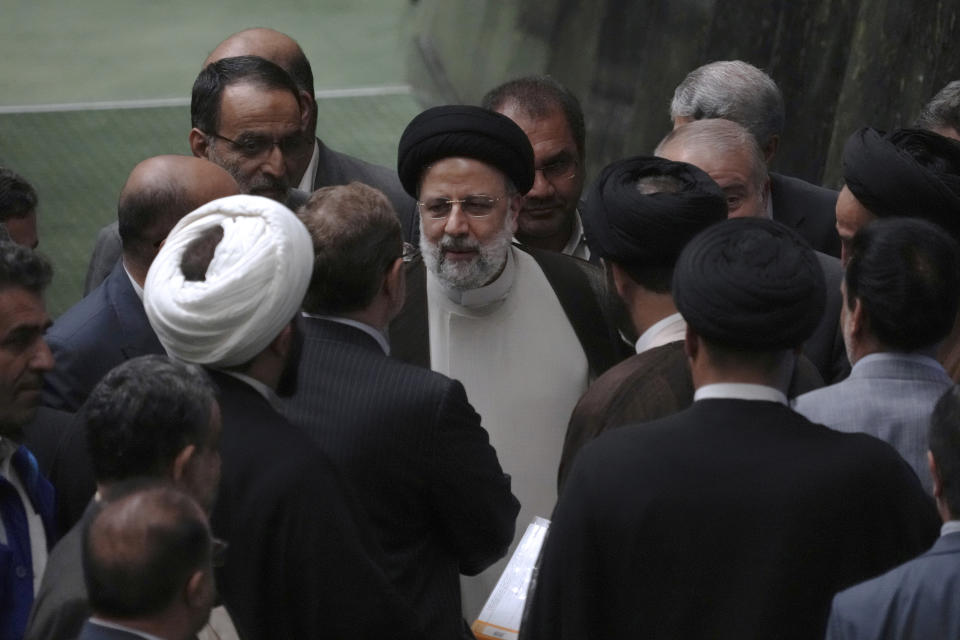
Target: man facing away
[26, 498]
[404, 436]
[148, 566]
[901, 291]
[150, 417]
[918, 598]
[942, 114]
[225, 292]
[736, 517]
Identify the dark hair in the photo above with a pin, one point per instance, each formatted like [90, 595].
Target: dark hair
[143, 413]
[538, 97]
[18, 198]
[906, 274]
[943, 110]
[157, 208]
[217, 76]
[199, 252]
[140, 550]
[944, 437]
[356, 237]
[23, 267]
[300, 70]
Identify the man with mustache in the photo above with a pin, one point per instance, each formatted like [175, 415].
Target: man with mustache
[521, 329]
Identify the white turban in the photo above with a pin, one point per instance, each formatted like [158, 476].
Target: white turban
[254, 285]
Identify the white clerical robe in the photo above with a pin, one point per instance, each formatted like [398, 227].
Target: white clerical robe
[515, 352]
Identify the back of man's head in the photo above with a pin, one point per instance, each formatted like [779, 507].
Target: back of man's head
[24, 268]
[142, 415]
[906, 275]
[215, 77]
[356, 239]
[141, 551]
[538, 97]
[942, 113]
[944, 444]
[732, 90]
[158, 192]
[642, 211]
[17, 196]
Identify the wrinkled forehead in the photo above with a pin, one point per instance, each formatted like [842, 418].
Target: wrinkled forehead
[249, 105]
[463, 175]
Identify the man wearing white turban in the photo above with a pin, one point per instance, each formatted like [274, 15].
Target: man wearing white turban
[224, 292]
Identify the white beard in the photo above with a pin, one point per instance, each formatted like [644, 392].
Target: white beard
[464, 275]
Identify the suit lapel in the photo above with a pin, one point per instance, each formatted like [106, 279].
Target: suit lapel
[409, 332]
[136, 337]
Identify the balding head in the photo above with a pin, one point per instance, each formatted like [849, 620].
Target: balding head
[158, 192]
[281, 50]
[729, 154]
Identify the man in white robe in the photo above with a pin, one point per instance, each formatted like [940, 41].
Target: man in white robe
[496, 319]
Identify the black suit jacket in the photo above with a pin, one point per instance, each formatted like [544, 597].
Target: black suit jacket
[301, 561]
[731, 519]
[106, 328]
[409, 441]
[807, 208]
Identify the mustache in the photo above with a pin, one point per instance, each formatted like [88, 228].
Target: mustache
[451, 243]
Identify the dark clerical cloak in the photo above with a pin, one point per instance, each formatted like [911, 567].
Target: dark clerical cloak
[731, 519]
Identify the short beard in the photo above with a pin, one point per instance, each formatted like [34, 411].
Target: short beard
[474, 274]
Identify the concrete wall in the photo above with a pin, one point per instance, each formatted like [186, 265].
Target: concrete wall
[841, 64]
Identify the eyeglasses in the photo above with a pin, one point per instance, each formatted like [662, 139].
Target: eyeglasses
[254, 146]
[559, 170]
[473, 206]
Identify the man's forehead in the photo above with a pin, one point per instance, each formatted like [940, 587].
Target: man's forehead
[246, 103]
[461, 171]
[22, 308]
[711, 160]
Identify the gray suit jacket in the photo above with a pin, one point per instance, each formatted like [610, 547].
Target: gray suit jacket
[916, 600]
[890, 397]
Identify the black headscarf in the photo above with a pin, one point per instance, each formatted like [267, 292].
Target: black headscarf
[911, 173]
[469, 132]
[750, 283]
[631, 228]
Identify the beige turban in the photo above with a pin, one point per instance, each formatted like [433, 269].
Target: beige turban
[254, 285]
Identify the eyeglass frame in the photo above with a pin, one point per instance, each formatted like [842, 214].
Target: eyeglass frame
[452, 201]
[282, 144]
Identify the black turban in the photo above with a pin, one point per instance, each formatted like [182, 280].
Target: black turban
[467, 132]
[910, 173]
[649, 230]
[750, 283]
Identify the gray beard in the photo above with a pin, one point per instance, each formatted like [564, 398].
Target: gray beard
[480, 271]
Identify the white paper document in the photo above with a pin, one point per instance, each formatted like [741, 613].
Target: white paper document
[501, 615]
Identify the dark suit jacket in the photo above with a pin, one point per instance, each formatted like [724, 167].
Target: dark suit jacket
[301, 562]
[61, 607]
[644, 387]
[809, 209]
[731, 519]
[335, 168]
[409, 441]
[915, 600]
[825, 347]
[106, 328]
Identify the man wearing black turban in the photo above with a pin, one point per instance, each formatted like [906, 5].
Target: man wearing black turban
[737, 517]
[642, 212]
[910, 173]
[521, 328]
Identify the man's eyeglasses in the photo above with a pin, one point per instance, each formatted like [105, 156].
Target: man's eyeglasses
[254, 146]
[559, 170]
[473, 206]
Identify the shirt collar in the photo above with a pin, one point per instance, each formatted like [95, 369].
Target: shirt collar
[268, 394]
[137, 289]
[362, 326]
[740, 391]
[485, 295]
[306, 182]
[119, 627]
[950, 526]
[577, 244]
[889, 356]
[667, 330]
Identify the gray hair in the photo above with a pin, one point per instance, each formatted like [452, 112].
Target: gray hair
[732, 90]
[720, 136]
[943, 111]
